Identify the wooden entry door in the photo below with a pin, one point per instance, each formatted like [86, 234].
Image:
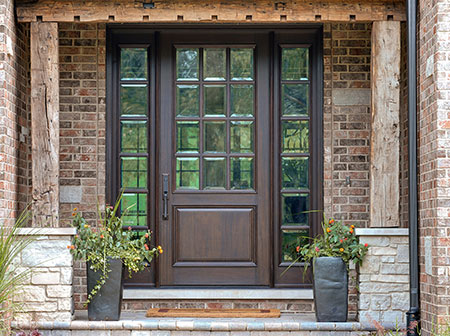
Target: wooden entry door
[214, 162]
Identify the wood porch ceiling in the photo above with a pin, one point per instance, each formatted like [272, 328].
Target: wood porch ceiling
[209, 11]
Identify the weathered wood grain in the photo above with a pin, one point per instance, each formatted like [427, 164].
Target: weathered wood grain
[385, 135]
[45, 123]
[231, 11]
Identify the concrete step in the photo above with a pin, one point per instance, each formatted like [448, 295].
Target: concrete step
[136, 324]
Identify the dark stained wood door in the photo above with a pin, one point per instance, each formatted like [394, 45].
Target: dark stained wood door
[214, 159]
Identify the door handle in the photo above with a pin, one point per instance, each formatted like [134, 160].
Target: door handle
[165, 196]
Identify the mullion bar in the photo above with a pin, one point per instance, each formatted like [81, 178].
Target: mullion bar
[201, 118]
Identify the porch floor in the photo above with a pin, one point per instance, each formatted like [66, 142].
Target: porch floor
[136, 324]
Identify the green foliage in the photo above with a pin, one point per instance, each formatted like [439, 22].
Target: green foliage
[95, 245]
[336, 240]
[11, 276]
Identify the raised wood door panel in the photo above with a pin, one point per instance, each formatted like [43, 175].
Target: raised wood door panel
[218, 225]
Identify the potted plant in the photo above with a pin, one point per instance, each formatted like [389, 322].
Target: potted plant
[330, 254]
[106, 249]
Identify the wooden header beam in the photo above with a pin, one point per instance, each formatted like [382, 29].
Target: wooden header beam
[199, 11]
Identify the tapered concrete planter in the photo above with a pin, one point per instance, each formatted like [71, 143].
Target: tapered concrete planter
[330, 289]
[106, 305]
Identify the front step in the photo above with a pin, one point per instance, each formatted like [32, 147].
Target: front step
[135, 324]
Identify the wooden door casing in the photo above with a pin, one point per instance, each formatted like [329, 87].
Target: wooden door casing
[250, 254]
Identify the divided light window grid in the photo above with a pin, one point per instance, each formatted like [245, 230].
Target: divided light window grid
[215, 118]
[294, 149]
[134, 139]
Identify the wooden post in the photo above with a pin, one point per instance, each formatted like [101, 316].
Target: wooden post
[45, 123]
[385, 134]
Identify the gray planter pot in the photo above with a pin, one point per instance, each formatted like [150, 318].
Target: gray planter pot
[330, 289]
[106, 305]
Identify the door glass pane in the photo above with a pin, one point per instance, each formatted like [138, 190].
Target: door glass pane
[133, 99]
[214, 64]
[242, 172]
[241, 137]
[134, 172]
[187, 64]
[295, 99]
[136, 215]
[214, 173]
[188, 136]
[133, 137]
[289, 242]
[215, 136]
[295, 136]
[295, 63]
[293, 207]
[187, 101]
[241, 63]
[294, 172]
[188, 173]
[133, 64]
[215, 100]
[242, 100]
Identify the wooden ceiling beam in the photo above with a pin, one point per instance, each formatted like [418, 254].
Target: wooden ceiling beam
[204, 11]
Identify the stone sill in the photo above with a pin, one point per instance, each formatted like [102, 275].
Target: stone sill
[47, 232]
[218, 294]
[384, 232]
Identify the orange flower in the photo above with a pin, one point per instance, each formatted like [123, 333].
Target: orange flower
[73, 247]
[146, 235]
[352, 226]
[73, 214]
[160, 250]
[331, 221]
[297, 248]
[341, 241]
[328, 230]
[341, 249]
[69, 246]
[75, 209]
[146, 246]
[351, 231]
[102, 236]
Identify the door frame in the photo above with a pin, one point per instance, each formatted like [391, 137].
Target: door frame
[148, 34]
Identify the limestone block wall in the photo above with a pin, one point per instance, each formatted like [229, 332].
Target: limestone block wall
[384, 277]
[47, 294]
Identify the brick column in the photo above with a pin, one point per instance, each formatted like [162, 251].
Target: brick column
[434, 161]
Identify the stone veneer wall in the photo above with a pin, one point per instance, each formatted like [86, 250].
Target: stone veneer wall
[47, 291]
[14, 114]
[434, 161]
[384, 277]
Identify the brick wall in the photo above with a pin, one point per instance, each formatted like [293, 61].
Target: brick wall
[14, 116]
[434, 162]
[347, 121]
[82, 128]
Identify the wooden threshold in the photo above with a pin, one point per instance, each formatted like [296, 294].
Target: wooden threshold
[219, 313]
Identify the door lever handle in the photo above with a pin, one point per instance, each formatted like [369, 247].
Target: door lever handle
[165, 196]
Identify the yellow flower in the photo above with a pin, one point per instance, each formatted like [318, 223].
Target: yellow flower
[341, 249]
[160, 250]
[86, 226]
[328, 230]
[75, 209]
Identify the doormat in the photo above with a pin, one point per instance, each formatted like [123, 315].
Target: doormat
[195, 312]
